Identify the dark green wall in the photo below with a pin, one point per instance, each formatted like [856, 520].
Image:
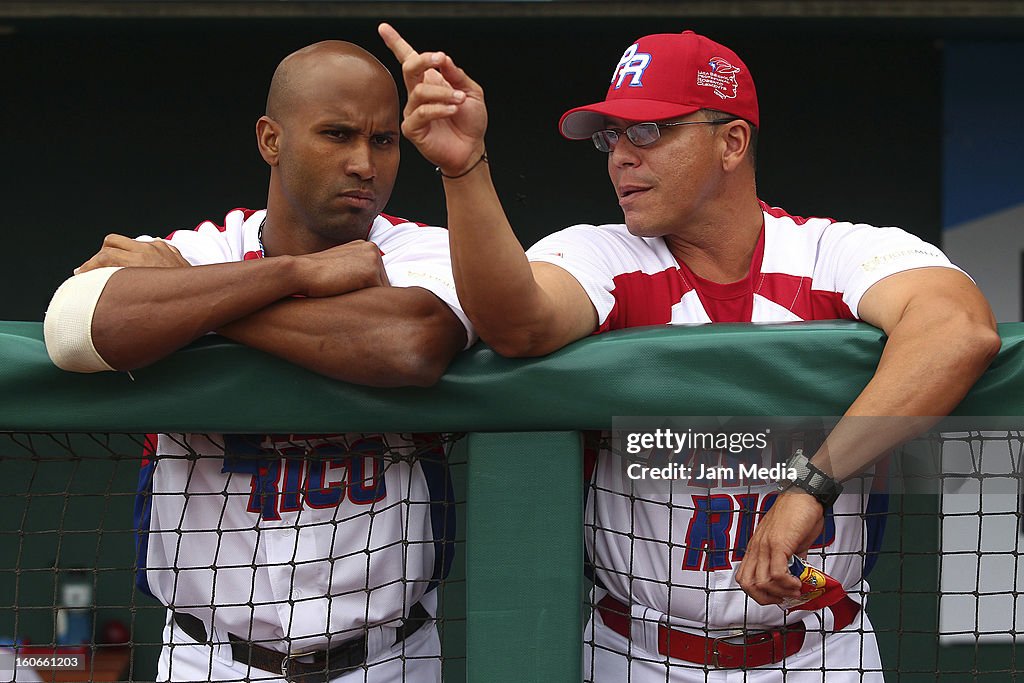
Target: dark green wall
[148, 126]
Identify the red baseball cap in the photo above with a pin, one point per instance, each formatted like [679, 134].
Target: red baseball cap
[666, 75]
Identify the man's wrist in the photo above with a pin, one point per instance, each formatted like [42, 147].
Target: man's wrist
[809, 479]
[475, 161]
[288, 270]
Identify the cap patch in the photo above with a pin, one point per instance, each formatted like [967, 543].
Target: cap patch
[632, 64]
[720, 76]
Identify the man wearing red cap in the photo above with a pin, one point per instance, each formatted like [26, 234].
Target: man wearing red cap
[679, 127]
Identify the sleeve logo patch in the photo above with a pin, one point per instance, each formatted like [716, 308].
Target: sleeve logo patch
[881, 260]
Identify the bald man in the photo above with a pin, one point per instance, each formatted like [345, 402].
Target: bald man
[275, 564]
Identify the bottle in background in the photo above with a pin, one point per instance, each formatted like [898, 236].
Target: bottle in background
[75, 608]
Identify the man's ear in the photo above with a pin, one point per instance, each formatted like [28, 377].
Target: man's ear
[737, 140]
[268, 139]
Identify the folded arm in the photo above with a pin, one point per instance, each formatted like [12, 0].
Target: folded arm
[145, 314]
[380, 336]
[350, 325]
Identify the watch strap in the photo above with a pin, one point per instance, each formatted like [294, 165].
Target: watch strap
[813, 481]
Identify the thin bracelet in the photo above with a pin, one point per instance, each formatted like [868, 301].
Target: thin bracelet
[482, 159]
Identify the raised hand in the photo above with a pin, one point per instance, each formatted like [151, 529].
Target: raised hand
[445, 116]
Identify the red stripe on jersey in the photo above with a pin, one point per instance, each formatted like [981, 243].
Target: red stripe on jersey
[252, 255]
[731, 309]
[729, 302]
[589, 464]
[647, 299]
[149, 448]
[789, 291]
[781, 213]
[829, 306]
[591, 446]
[795, 293]
[398, 221]
[644, 299]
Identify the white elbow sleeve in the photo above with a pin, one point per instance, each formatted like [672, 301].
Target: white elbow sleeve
[68, 325]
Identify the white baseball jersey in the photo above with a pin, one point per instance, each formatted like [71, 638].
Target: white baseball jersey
[308, 539]
[691, 536]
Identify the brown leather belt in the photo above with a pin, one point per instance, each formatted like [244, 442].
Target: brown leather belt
[752, 649]
[325, 665]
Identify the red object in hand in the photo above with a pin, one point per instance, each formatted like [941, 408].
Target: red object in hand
[817, 589]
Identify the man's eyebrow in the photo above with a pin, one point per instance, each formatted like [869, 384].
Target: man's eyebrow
[344, 127]
[356, 130]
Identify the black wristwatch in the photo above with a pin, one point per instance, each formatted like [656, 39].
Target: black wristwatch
[809, 478]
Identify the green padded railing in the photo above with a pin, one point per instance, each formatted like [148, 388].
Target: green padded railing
[727, 369]
[524, 522]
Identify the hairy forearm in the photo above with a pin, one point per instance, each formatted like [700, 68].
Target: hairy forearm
[380, 336]
[931, 360]
[145, 314]
[493, 277]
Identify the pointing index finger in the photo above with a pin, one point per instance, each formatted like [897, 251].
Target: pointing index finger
[395, 42]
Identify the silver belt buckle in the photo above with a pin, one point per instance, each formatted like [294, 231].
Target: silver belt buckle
[290, 656]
